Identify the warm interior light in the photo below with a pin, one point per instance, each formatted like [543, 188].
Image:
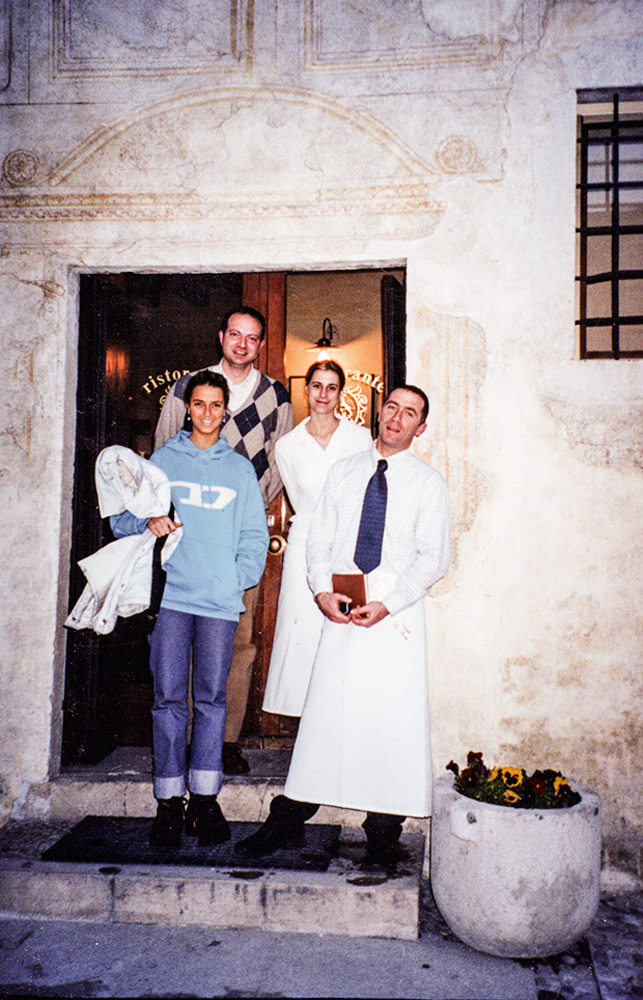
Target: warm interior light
[325, 343]
[117, 366]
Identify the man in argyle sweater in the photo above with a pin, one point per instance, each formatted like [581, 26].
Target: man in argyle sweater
[259, 413]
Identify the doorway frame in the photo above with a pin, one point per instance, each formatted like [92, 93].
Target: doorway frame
[394, 362]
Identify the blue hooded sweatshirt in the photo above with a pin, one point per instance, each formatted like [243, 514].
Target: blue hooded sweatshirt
[225, 539]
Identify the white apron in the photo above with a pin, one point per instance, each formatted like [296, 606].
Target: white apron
[364, 736]
[303, 465]
[299, 625]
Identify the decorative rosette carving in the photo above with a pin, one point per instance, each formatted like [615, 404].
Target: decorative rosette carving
[20, 167]
[458, 155]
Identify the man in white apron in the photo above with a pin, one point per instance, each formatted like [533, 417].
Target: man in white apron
[364, 739]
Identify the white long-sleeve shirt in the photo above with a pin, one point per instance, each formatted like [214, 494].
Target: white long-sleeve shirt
[416, 544]
[303, 465]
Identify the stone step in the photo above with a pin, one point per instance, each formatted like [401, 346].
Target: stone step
[342, 900]
[121, 785]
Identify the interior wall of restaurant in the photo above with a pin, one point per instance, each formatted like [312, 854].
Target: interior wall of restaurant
[352, 302]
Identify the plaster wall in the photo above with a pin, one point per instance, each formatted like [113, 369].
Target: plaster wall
[437, 136]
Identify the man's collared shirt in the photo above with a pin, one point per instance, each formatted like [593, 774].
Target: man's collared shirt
[240, 392]
[416, 545]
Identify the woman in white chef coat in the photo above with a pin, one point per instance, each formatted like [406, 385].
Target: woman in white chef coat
[304, 457]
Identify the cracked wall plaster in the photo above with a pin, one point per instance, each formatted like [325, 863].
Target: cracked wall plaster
[301, 144]
[610, 435]
[456, 21]
[598, 412]
[453, 364]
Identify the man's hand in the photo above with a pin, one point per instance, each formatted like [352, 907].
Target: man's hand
[163, 525]
[369, 614]
[329, 604]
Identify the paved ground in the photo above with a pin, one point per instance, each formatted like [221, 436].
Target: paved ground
[64, 959]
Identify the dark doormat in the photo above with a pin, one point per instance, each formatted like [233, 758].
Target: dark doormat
[124, 840]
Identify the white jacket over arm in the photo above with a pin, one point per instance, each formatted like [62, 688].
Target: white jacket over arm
[119, 576]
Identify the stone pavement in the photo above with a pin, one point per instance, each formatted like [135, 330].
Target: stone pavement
[51, 958]
[616, 945]
[65, 958]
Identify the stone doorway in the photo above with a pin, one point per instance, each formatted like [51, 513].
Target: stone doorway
[138, 333]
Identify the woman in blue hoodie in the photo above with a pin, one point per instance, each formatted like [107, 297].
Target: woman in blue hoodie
[221, 554]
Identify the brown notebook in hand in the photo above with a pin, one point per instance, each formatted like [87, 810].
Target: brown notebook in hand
[353, 585]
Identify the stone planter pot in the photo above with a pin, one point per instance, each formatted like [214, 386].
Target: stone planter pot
[519, 883]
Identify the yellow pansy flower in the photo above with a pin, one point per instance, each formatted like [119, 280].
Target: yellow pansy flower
[510, 796]
[558, 784]
[493, 774]
[512, 776]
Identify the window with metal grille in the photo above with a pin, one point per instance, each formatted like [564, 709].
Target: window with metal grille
[610, 229]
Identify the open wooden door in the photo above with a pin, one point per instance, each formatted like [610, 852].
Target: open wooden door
[393, 306]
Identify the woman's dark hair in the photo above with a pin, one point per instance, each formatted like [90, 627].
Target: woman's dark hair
[327, 366]
[206, 377]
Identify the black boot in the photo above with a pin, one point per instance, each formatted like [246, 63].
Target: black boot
[205, 820]
[383, 831]
[168, 823]
[233, 761]
[284, 827]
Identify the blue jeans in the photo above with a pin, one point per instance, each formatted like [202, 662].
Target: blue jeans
[210, 639]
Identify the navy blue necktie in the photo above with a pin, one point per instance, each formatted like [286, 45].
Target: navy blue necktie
[368, 551]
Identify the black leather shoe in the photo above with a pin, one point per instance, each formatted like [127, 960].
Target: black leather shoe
[379, 861]
[205, 820]
[271, 837]
[233, 761]
[168, 823]
[383, 856]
